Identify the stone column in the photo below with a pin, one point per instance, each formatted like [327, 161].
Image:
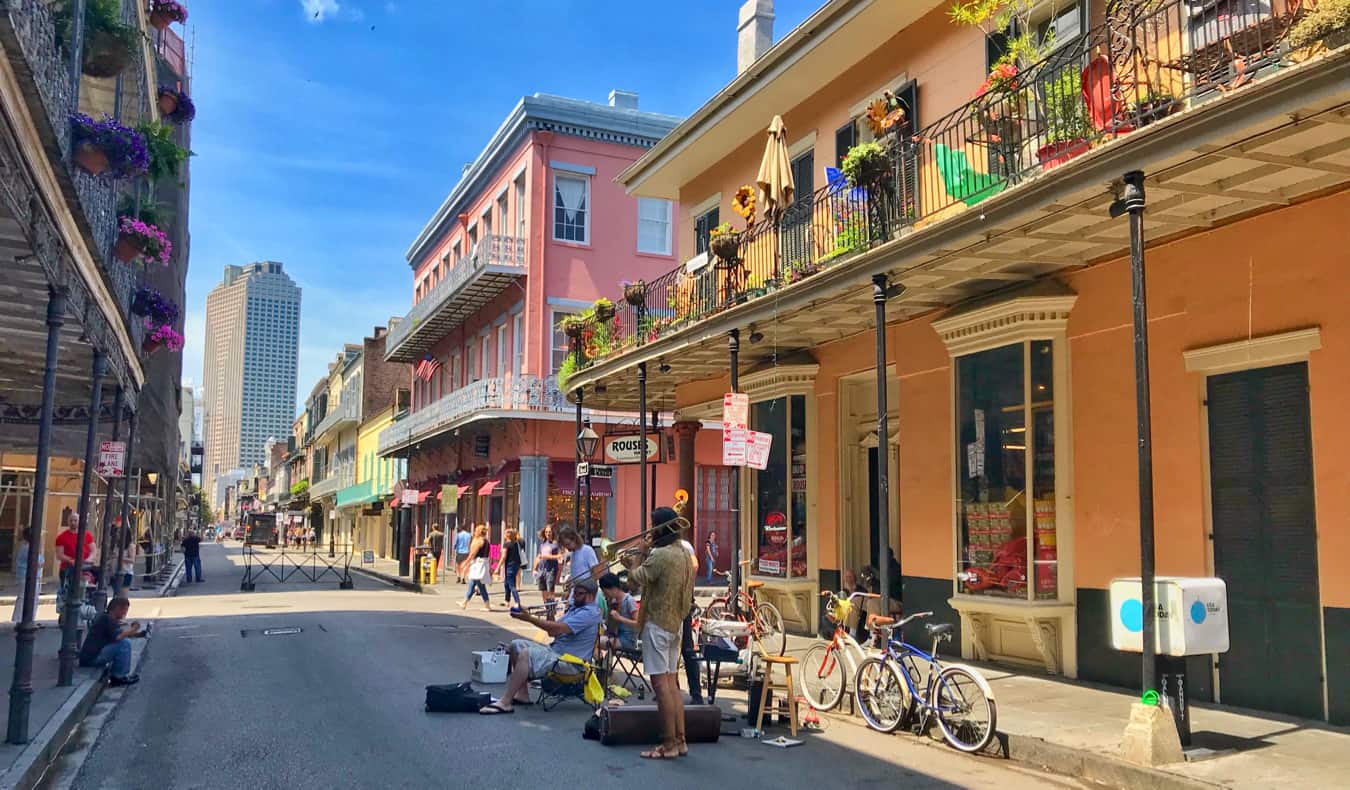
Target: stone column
[533, 497]
[684, 451]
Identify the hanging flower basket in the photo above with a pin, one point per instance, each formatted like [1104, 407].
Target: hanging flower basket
[635, 293]
[604, 310]
[163, 336]
[154, 307]
[866, 164]
[725, 242]
[572, 326]
[176, 106]
[165, 12]
[137, 240]
[107, 147]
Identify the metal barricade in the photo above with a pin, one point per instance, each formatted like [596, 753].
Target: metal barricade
[284, 564]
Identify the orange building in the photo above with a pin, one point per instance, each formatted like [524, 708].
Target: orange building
[1010, 357]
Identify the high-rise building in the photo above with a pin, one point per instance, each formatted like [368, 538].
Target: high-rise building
[187, 424]
[252, 336]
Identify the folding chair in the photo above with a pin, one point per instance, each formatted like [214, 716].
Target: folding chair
[630, 663]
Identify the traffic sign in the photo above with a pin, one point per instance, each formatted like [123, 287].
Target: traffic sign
[583, 468]
[602, 470]
[112, 458]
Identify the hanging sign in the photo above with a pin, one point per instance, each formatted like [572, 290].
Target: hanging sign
[735, 413]
[757, 449]
[410, 496]
[735, 409]
[627, 449]
[112, 458]
[734, 441]
[449, 499]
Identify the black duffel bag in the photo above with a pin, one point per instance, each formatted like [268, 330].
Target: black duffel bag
[456, 698]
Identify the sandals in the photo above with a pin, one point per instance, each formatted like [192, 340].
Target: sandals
[661, 752]
[495, 709]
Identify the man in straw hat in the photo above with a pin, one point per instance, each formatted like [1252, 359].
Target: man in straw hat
[667, 579]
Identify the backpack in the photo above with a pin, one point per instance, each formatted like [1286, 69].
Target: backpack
[455, 698]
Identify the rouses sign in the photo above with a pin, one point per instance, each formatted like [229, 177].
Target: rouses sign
[628, 449]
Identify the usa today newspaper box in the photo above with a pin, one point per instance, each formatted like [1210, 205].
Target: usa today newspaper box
[1191, 619]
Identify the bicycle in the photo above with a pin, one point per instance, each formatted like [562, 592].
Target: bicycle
[764, 616]
[824, 677]
[889, 691]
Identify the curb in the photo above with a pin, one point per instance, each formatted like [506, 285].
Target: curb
[1094, 767]
[45, 747]
[175, 578]
[396, 581]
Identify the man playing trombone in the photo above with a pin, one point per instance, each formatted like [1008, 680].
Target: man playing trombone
[666, 577]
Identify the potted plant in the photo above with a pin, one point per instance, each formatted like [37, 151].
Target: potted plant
[635, 293]
[1156, 104]
[164, 335]
[572, 325]
[603, 310]
[754, 286]
[866, 164]
[151, 212]
[1320, 28]
[152, 305]
[1067, 126]
[109, 44]
[108, 147]
[725, 241]
[176, 106]
[165, 12]
[138, 241]
[166, 157]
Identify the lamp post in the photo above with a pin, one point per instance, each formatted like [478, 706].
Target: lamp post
[587, 442]
[332, 531]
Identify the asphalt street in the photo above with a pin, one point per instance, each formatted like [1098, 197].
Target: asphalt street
[333, 698]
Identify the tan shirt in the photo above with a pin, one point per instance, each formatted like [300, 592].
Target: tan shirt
[667, 582]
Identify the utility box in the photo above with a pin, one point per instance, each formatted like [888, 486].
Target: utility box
[490, 666]
[1192, 616]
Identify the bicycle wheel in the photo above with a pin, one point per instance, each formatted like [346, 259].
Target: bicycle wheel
[881, 693]
[966, 714]
[822, 677]
[716, 610]
[769, 623]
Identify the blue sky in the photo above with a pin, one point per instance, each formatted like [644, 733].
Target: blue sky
[328, 131]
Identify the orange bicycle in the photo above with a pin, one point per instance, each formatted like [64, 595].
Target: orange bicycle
[827, 666]
[766, 620]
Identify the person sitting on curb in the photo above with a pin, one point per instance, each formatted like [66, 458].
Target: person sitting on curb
[573, 634]
[106, 643]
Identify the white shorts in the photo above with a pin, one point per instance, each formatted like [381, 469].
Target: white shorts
[660, 650]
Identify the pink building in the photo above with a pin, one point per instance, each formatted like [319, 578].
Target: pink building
[536, 229]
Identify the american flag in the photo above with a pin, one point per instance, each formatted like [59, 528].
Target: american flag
[427, 368]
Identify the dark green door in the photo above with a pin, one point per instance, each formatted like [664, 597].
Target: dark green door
[1265, 539]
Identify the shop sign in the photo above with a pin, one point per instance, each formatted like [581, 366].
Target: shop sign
[772, 567]
[449, 499]
[111, 459]
[628, 449]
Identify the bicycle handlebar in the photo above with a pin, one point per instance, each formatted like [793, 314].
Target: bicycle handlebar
[915, 616]
[840, 594]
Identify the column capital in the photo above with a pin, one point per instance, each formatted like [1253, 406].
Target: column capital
[687, 427]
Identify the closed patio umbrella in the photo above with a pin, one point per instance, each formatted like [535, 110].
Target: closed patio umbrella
[775, 171]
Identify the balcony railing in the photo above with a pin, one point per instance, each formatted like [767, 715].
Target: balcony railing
[469, 286]
[512, 393]
[1149, 60]
[347, 413]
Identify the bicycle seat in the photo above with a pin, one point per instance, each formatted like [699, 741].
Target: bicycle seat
[937, 630]
[877, 621]
[753, 585]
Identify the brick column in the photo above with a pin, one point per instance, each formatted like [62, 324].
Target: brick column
[684, 451]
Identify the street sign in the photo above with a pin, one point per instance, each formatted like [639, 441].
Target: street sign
[111, 459]
[627, 449]
[583, 468]
[735, 412]
[757, 449]
[602, 470]
[410, 496]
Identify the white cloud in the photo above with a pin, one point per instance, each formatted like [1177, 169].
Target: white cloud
[319, 10]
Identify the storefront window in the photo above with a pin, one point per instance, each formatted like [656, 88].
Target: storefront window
[997, 402]
[780, 489]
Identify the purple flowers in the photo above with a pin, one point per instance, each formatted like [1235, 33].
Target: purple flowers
[123, 147]
[151, 243]
[158, 311]
[183, 109]
[175, 11]
[165, 336]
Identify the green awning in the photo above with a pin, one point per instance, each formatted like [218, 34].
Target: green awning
[359, 494]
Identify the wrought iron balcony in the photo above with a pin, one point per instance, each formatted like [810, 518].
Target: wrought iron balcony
[347, 414]
[495, 263]
[504, 394]
[1148, 61]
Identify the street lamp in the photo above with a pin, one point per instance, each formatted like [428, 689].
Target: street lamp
[332, 532]
[587, 442]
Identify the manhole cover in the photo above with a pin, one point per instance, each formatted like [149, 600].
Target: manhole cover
[280, 631]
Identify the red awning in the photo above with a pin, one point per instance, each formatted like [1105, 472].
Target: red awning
[564, 475]
[487, 488]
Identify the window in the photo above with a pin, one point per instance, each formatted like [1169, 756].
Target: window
[653, 233]
[518, 341]
[487, 222]
[1006, 451]
[484, 360]
[703, 225]
[470, 368]
[455, 383]
[561, 346]
[501, 211]
[845, 137]
[780, 489]
[502, 351]
[520, 206]
[571, 208]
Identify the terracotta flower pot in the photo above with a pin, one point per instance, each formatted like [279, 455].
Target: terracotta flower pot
[168, 103]
[126, 250]
[160, 20]
[1056, 154]
[91, 159]
[105, 55]
[150, 345]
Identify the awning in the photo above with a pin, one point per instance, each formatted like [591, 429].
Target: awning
[487, 488]
[359, 494]
[564, 475]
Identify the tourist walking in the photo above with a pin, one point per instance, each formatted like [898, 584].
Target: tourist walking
[476, 568]
[513, 554]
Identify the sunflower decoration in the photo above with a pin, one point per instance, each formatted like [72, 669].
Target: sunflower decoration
[885, 115]
[744, 204]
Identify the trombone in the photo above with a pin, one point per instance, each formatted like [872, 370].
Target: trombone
[615, 553]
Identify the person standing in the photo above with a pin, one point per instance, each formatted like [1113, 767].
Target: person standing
[666, 577]
[688, 649]
[65, 551]
[436, 542]
[21, 570]
[127, 572]
[546, 564]
[476, 568]
[192, 557]
[710, 557]
[583, 562]
[462, 541]
[512, 558]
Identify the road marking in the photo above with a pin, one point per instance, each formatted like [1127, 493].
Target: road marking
[199, 636]
[181, 627]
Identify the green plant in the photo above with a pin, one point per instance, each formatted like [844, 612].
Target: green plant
[150, 212]
[166, 156]
[566, 370]
[1327, 18]
[865, 163]
[572, 324]
[300, 488]
[1010, 18]
[100, 17]
[1066, 114]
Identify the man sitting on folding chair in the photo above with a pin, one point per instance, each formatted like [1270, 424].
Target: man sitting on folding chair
[573, 634]
[621, 635]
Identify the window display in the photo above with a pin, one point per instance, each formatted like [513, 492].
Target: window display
[780, 489]
[1005, 428]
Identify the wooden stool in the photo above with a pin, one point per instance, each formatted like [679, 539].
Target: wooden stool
[787, 663]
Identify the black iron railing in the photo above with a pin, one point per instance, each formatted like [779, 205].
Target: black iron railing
[1150, 59]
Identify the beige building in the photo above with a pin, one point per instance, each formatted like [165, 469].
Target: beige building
[252, 331]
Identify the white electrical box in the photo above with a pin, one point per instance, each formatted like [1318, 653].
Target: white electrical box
[490, 666]
[1192, 616]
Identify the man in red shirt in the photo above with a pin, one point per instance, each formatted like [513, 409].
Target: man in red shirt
[65, 549]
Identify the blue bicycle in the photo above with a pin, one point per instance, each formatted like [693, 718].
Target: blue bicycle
[905, 681]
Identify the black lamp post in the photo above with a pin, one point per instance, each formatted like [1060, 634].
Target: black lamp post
[587, 442]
